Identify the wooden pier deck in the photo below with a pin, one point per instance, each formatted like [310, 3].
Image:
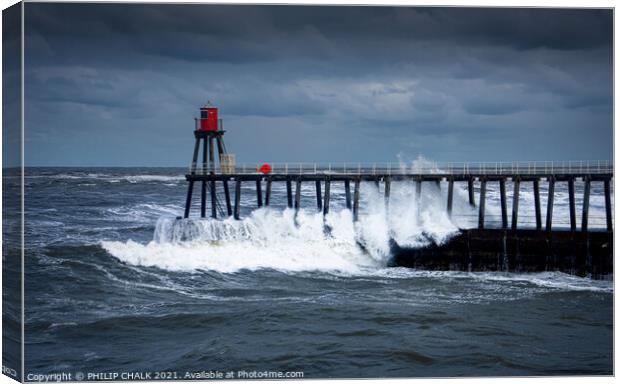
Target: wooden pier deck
[384, 174]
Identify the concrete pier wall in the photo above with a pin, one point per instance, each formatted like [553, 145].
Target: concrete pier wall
[578, 253]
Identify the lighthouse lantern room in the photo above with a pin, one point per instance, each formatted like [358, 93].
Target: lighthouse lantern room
[208, 119]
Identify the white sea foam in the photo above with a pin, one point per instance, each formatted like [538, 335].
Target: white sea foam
[282, 240]
[551, 280]
[142, 213]
[266, 239]
[143, 178]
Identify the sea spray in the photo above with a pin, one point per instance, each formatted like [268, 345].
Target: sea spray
[297, 241]
[266, 239]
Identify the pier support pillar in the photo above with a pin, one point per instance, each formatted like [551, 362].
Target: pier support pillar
[289, 194]
[188, 202]
[319, 203]
[203, 199]
[326, 199]
[536, 186]
[259, 193]
[483, 190]
[515, 203]
[213, 200]
[608, 205]
[347, 193]
[268, 192]
[550, 199]
[356, 200]
[387, 182]
[418, 198]
[470, 190]
[586, 203]
[502, 196]
[450, 195]
[237, 198]
[418, 189]
[571, 204]
[227, 197]
[298, 195]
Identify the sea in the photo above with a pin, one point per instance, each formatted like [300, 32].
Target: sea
[116, 283]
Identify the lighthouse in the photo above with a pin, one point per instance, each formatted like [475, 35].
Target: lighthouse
[208, 132]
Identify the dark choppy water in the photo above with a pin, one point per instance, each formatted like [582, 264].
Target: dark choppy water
[269, 293]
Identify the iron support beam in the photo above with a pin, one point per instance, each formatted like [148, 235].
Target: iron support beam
[289, 194]
[586, 203]
[326, 199]
[608, 205]
[515, 203]
[502, 195]
[571, 204]
[450, 195]
[259, 193]
[537, 211]
[483, 190]
[550, 198]
[347, 192]
[188, 202]
[356, 200]
[237, 198]
[319, 203]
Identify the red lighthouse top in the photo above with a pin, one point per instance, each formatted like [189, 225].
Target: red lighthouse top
[208, 119]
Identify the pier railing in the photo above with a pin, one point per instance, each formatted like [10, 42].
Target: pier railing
[420, 172]
[422, 168]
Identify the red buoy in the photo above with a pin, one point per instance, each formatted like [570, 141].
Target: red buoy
[265, 169]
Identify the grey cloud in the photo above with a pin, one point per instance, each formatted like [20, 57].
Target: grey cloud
[340, 79]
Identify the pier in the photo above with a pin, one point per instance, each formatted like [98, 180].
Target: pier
[323, 177]
[579, 250]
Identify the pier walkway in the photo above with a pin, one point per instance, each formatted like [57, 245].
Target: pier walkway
[323, 175]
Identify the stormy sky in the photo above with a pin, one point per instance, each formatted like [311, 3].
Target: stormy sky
[120, 84]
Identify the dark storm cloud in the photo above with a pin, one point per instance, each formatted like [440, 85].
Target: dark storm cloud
[342, 79]
[199, 32]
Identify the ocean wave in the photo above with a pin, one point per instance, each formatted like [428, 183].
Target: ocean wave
[112, 178]
[552, 280]
[145, 212]
[266, 240]
[148, 178]
[302, 241]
